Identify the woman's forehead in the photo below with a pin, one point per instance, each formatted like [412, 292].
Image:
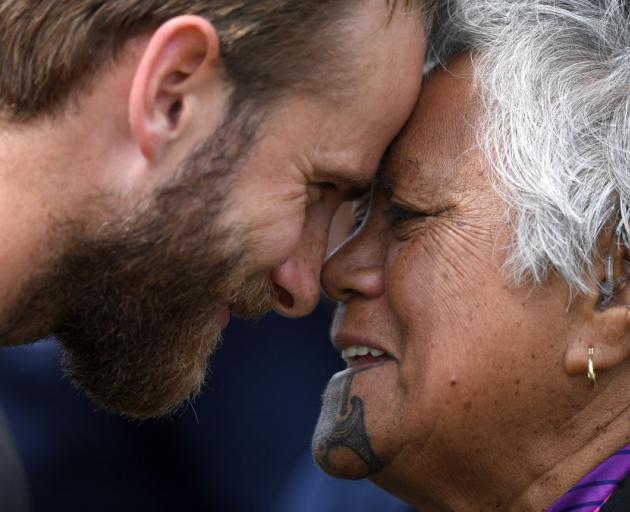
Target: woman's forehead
[435, 149]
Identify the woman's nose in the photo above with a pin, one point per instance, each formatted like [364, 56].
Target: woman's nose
[354, 269]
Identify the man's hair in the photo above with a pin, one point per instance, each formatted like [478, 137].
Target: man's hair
[49, 48]
[554, 81]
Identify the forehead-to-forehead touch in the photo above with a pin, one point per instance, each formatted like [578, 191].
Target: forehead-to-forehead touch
[447, 111]
[437, 155]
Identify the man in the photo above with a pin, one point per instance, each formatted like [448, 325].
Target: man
[163, 162]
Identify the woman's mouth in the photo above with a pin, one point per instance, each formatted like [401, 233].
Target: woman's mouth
[361, 355]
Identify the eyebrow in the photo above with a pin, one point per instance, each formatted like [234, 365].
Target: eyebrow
[406, 163]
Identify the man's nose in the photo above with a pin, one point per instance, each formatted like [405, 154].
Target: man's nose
[296, 281]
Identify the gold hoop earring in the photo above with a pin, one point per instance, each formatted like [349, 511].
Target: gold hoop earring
[591, 375]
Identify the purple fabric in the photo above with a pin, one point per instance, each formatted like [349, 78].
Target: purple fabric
[592, 492]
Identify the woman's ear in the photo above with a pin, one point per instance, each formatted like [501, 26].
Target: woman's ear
[180, 64]
[604, 318]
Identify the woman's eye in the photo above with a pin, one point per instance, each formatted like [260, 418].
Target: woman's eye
[400, 217]
[397, 214]
[358, 218]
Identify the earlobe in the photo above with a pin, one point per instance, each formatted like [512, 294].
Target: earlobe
[180, 62]
[607, 332]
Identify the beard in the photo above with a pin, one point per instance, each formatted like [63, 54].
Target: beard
[138, 301]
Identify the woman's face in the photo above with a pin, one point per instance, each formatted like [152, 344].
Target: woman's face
[471, 373]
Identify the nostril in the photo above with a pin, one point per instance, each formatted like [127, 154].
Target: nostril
[284, 297]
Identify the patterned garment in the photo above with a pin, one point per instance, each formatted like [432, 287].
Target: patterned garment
[595, 489]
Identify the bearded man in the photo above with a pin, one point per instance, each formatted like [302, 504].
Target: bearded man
[165, 162]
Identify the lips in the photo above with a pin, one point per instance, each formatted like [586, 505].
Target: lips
[360, 352]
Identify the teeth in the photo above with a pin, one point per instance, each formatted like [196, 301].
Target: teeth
[360, 350]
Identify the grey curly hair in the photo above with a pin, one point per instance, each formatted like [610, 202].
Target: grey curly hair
[554, 79]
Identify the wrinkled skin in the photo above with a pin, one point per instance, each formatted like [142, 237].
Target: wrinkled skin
[478, 403]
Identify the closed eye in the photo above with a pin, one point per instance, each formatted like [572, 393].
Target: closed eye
[398, 214]
[401, 218]
[360, 209]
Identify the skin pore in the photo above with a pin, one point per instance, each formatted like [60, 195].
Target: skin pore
[476, 398]
[137, 218]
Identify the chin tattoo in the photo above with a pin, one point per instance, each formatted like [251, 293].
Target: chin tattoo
[341, 444]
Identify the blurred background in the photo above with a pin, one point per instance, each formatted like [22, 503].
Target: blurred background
[242, 447]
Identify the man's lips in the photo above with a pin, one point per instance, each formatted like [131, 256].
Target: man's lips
[359, 351]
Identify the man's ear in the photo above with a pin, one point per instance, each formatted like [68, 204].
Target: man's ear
[180, 65]
[604, 319]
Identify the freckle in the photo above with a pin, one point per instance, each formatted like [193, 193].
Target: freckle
[517, 393]
[467, 405]
[453, 382]
[517, 381]
[496, 402]
[533, 356]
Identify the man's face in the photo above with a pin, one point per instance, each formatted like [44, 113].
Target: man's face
[139, 294]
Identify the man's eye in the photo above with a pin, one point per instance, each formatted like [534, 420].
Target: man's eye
[317, 191]
[327, 187]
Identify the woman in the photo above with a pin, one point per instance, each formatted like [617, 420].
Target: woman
[483, 307]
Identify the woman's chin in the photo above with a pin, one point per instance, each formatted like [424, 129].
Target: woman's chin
[357, 416]
[343, 463]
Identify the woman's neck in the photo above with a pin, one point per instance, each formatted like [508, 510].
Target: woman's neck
[530, 480]
[604, 430]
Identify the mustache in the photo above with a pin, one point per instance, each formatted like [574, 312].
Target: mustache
[254, 298]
